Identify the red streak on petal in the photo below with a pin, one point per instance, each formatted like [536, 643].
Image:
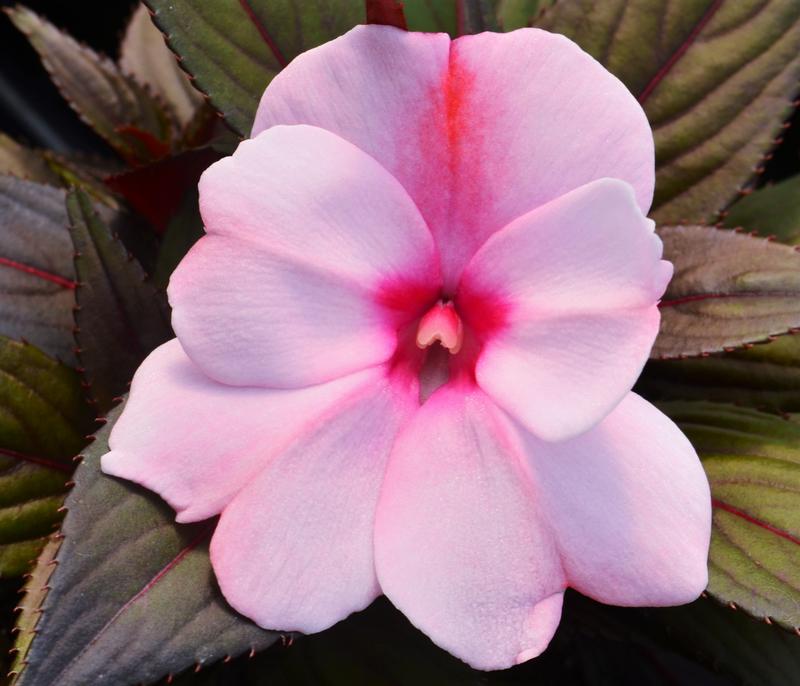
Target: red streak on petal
[38, 273]
[752, 520]
[458, 81]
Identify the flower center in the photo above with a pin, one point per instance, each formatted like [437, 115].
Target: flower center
[441, 323]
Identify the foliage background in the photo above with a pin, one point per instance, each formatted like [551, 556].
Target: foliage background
[706, 643]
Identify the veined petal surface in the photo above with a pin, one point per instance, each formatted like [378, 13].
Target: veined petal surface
[461, 547]
[314, 256]
[479, 130]
[574, 286]
[197, 443]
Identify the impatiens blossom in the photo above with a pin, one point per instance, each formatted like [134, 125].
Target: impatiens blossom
[405, 349]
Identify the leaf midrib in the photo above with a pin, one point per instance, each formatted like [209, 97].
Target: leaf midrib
[176, 560]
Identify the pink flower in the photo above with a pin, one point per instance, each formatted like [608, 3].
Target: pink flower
[406, 347]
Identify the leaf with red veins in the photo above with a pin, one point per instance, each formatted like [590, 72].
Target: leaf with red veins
[715, 78]
[729, 289]
[752, 460]
[233, 49]
[145, 56]
[108, 100]
[43, 420]
[37, 277]
[133, 597]
[120, 317]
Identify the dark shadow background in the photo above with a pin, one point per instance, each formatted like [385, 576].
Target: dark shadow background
[31, 109]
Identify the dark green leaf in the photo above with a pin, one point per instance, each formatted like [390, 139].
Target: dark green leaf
[145, 56]
[133, 597]
[36, 270]
[477, 16]
[772, 210]
[516, 14]
[752, 460]
[34, 590]
[715, 78]
[728, 641]
[43, 413]
[120, 317]
[113, 104]
[233, 49]
[729, 289]
[185, 229]
[765, 376]
[434, 16]
[43, 420]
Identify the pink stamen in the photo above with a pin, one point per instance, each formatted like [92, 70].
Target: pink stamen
[441, 323]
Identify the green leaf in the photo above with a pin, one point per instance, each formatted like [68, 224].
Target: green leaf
[730, 642]
[729, 289]
[772, 210]
[752, 460]
[120, 317]
[43, 420]
[34, 590]
[113, 104]
[715, 78]
[517, 14]
[476, 16]
[185, 229]
[433, 16]
[50, 168]
[133, 597]
[24, 163]
[765, 376]
[145, 56]
[233, 49]
[36, 270]
[43, 413]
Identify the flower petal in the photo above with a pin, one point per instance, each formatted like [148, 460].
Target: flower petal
[460, 546]
[197, 443]
[479, 130]
[305, 274]
[294, 550]
[560, 376]
[630, 507]
[574, 286]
